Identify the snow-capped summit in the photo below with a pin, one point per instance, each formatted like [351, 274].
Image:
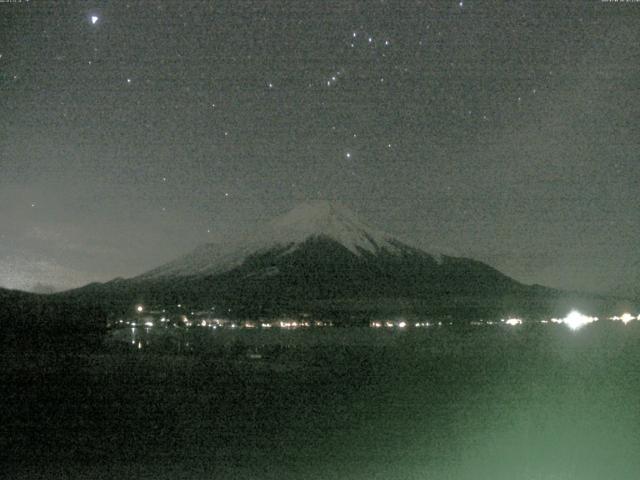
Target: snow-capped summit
[329, 220]
[312, 220]
[318, 257]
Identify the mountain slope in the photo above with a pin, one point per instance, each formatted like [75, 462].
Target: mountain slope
[321, 258]
[319, 253]
[285, 234]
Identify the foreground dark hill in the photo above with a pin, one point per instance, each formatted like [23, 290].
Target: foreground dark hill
[49, 321]
[321, 259]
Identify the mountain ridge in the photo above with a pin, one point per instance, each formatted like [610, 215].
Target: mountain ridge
[318, 219]
[322, 259]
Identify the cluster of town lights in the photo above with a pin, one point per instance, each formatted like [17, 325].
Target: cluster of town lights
[574, 320]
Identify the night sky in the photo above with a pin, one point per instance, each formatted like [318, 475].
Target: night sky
[130, 132]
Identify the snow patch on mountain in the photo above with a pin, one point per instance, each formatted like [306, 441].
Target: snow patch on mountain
[320, 219]
[328, 220]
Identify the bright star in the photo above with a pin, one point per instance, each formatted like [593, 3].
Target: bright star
[94, 19]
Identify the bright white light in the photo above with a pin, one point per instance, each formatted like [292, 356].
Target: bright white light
[513, 321]
[94, 19]
[576, 320]
[626, 318]
[148, 324]
[139, 309]
[402, 324]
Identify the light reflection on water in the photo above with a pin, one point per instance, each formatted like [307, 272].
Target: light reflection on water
[167, 337]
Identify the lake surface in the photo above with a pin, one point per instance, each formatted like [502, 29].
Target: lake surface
[539, 402]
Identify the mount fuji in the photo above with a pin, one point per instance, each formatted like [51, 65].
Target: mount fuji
[318, 257]
[322, 259]
[318, 222]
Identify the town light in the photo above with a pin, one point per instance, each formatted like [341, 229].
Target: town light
[513, 321]
[626, 318]
[576, 320]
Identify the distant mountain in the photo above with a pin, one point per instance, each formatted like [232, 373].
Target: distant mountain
[321, 258]
[284, 235]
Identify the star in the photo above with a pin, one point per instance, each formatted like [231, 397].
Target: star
[348, 155]
[128, 80]
[94, 19]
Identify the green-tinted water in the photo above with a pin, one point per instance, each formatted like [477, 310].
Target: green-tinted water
[484, 403]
